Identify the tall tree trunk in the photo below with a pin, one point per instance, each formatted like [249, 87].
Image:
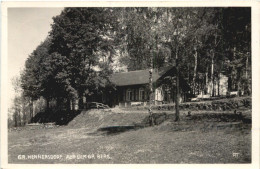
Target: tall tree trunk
[68, 107]
[47, 104]
[15, 118]
[218, 84]
[31, 110]
[73, 104]
[212, 74]
[150, 98]
[239, 81]
[247, 68]
[19, 118]
[24, 114]
[247, 83]
[188, 73]
[195, 69]
[151, 120]
[177, 113]
[229, 79]
[58, 103]
[207, 81]
[81, 106]
[231, 70]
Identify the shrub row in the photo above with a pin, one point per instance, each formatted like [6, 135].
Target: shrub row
[221, 105]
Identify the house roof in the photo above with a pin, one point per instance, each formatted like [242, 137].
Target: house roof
[137, 77]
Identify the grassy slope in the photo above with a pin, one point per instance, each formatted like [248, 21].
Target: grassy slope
[184, 142]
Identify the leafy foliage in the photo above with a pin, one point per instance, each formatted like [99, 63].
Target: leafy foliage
[77, 56]
[203, 38]
[64, 65]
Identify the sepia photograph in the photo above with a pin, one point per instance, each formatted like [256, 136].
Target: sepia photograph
[129, 85]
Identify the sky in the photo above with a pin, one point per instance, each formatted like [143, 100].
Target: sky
[27, 28]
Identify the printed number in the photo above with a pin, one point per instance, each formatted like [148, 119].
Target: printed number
[235, 155]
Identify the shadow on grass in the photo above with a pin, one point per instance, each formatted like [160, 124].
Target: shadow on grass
[59, 117]
[112, 130]
[205, 121]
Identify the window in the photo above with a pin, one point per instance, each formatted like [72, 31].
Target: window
[129, 95]
[141, 94]
[136, 94]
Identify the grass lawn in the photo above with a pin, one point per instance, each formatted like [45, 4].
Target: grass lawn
[192, 140]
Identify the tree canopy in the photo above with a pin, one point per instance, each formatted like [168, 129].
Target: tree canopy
[76, 58]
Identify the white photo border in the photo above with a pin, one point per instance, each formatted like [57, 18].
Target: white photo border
[255, 19]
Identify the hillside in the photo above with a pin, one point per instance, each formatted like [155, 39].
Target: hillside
[121, 136]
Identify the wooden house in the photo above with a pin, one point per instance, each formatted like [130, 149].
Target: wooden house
[132, 88]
